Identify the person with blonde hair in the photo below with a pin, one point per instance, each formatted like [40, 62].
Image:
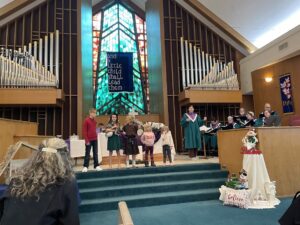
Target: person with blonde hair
[130, 140]
[44, 191]
[148, 139]
[167, 144]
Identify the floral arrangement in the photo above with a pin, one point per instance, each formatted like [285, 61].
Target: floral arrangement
[286, 87]
[250, 140]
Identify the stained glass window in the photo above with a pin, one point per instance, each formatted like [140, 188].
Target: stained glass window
[120, 30]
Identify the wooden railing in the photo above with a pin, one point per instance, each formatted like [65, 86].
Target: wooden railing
[124, 215]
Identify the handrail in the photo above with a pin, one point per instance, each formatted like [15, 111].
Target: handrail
[124, 214]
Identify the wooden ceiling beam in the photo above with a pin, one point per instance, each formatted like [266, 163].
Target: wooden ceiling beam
[222, 25]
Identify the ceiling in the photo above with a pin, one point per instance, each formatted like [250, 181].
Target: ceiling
[5, 2]
[259, 21]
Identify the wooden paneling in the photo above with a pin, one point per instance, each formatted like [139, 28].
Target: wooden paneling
[20, 96]
[158, 157]
[46, 18]
[270, 92]
[248, 103]
[142, 118]
[280, 147]
[10, 129]
[229, 144]
[209, 96]
[34, 140]
[179, 22]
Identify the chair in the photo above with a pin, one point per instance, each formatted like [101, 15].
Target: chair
[294, 120]
[124, 214]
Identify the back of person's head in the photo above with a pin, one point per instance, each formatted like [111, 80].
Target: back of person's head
[250, 115]
[147, 127]
[50, 165]
[165, 129]
[130, 119]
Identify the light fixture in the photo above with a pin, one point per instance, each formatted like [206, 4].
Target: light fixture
[268, 79]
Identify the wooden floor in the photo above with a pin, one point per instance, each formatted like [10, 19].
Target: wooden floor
[179, 159]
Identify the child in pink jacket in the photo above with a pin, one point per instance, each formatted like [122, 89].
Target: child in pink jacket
[148, 139]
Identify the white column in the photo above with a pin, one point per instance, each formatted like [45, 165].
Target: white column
[182, 62]
[35, 49]
[196, 66]
[41, 50]
[203, 65]
[187, 64]
[192, 64]
[199, 63]
[57, 57]
[46, 53]
[51, 53]
[207, 66]
[30, 48]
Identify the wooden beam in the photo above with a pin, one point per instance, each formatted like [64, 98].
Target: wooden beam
[222, 25]
[22, 96]
[209, 96]
[13, 7]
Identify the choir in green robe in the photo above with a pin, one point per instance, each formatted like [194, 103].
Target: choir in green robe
[192, 134]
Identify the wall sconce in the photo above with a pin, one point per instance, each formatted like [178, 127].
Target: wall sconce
[268, 79]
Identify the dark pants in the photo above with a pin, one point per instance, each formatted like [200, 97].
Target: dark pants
[87, 154]
[193, 152]
[167, 152]
[149, 149]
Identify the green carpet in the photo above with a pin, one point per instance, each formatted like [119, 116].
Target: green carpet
[194, 213]
[139, 187]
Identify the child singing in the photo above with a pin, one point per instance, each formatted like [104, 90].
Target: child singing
[113, 140]
[167, 144]
[148, 139]
[130, 140]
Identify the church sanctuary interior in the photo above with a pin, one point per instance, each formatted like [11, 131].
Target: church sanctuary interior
[142, 112]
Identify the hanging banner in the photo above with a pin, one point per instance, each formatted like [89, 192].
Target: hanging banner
[286, 93]
[120, 71]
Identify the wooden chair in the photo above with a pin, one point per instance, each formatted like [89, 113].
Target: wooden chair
[124, 214]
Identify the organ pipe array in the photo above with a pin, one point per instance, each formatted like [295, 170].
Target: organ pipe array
[201, 71]
[21, 69]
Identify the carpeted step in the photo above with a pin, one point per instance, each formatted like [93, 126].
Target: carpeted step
[149, 186]
[150, 178]
[146, 188]
[172, 197]
[150, 170]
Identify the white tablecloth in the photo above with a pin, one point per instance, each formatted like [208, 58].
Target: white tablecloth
[103, 152]
[257, 174]
[77, 148]
[263, 191]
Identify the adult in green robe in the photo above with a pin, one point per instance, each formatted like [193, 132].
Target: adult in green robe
[191, 123]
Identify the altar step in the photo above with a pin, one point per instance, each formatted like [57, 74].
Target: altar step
[140, 187]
